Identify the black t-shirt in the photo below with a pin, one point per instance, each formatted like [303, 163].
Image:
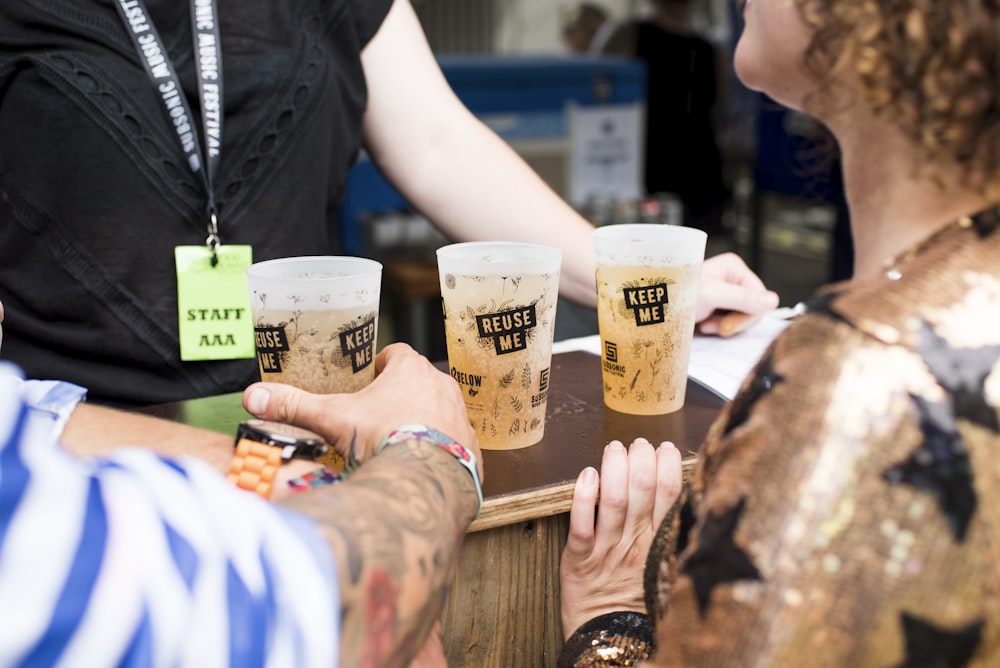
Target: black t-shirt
[682, 155]
[95, 193]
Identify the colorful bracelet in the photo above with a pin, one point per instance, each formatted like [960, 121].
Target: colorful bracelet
[351, 461]
[462, 454]
[321, 477]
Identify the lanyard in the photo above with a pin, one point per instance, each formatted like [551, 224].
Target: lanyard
[208, 64]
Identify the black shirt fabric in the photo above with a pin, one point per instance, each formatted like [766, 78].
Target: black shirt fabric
[95, 194]
[682, 155]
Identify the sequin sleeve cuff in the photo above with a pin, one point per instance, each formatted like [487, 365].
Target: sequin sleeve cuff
[614, 639]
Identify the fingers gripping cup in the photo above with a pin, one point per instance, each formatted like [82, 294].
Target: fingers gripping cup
[315, 320]
[647, 290]
[499, 303]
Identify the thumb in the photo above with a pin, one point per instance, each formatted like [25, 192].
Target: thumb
[284, 403]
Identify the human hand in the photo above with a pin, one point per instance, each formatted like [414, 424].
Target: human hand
[602, 565]
[407, 389]
[727, 284]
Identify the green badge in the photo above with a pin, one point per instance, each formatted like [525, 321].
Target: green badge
[213, 303]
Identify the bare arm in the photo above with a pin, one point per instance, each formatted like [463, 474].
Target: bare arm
[96, 430]
[395, 525]
[472, 184]
[451, 166]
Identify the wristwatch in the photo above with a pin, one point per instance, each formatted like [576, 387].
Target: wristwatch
[262, 447]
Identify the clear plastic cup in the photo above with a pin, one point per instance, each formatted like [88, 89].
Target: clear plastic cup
[647, 291]
[499, 303]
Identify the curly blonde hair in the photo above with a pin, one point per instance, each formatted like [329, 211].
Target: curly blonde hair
[932, 65]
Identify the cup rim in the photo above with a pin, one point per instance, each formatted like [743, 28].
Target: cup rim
[357, 266]
[617, 232]
[452, 250]
[537, 257]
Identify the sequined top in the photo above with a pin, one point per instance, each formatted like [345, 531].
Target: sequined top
[844, 502]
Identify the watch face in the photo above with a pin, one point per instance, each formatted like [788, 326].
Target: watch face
[294, 441]
[280, 431]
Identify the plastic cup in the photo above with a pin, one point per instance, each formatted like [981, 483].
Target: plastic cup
[316, 321]
[499, 303]
[647, 291]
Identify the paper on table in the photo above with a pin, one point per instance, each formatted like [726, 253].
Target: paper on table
[718, 364]
[722, 364]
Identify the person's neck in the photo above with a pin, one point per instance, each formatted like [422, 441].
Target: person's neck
[892, 206]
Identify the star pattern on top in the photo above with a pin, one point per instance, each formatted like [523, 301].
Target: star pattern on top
[962, 372]
[928, 646]
[718, 560]
[940, 465]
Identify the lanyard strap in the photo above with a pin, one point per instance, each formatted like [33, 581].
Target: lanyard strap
[208, 65]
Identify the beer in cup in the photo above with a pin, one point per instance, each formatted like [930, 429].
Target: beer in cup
[499, 302]
[647, 290]
[316, 320]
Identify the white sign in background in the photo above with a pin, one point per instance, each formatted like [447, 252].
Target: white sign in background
[606, 152]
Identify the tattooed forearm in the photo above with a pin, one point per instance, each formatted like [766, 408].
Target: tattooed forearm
[395, 528]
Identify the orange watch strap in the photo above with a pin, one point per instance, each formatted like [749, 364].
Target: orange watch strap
[254, 466]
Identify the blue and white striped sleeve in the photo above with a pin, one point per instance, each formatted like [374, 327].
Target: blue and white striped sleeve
[137, 561]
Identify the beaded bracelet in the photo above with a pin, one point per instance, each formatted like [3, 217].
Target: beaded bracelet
[443, 441]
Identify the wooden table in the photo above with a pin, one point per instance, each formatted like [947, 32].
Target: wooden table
[503, 609]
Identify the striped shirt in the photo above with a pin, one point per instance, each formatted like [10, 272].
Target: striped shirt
[134, 560]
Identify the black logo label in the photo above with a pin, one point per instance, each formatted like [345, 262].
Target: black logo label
[508, 329]
[543, 389]
[271, 342]
[359, 344]
[647, 303]
[610, 362]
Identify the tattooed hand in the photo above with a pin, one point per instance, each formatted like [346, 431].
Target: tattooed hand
[407, 389]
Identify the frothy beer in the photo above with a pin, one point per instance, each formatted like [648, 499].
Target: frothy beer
[646, 318]
[321, 351]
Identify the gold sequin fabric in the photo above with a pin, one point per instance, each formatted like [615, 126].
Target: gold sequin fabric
[615, 639]
[613, 651]
[846, 502]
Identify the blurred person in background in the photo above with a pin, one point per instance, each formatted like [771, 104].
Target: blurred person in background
[684, 79]
[585, 27]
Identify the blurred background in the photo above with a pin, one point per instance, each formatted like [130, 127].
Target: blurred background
[627, 123]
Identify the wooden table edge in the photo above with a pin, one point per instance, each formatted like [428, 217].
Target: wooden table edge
[554, 499]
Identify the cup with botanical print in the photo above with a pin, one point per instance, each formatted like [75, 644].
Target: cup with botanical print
[315, 321]
[647, 291]
[499, 302]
